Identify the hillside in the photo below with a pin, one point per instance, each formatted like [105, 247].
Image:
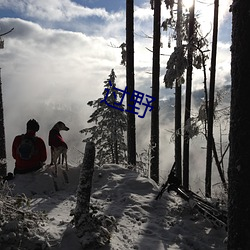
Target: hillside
[141, 221]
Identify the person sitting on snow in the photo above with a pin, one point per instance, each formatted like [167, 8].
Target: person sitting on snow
[29, 150]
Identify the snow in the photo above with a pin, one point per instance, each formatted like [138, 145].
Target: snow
[141, 221]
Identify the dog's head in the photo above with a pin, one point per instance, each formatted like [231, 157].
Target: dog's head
[61, 126]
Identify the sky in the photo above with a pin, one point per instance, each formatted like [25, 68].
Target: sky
[60, 52]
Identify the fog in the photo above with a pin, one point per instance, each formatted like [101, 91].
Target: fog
[51, 68]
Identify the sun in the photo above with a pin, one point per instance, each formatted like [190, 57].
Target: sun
[188, 3]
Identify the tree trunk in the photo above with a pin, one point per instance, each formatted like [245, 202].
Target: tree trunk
[178, 100]
[94, 231]
[239, 159]
[81, 215]
[188, 98]
[131, 131]
[217, 162]
[3, 162]
[211, 103]
[116, 152]
[116, 143]
[154, 168]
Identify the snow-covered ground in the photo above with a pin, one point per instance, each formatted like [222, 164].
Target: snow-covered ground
[141, 221]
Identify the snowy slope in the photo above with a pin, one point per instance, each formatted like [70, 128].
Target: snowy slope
[141, 221]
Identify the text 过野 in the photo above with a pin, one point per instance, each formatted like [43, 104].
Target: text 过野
[136, 98]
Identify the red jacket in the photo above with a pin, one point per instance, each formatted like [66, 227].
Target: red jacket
[55, 139]
[37, 159]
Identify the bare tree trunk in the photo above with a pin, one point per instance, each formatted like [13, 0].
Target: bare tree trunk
[131, 131]
[3, 162]
[154, 169]
[178, 158]
[211, 102]
[188, 98]
[93, 229]
[115, 142]
[239, 159]
[116, 152]
[81, 215]
[216, 158]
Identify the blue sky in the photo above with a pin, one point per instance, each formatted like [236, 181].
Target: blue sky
[67, 14]
[61, 51]
[108, 5]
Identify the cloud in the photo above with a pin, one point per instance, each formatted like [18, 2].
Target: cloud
[143, 13]
[56, 61]
[56, 10]
[205, 13]
[46, 71]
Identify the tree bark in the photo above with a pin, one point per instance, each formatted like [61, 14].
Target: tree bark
[217, 162]
[93, 229]
[83, 193]
[131, 131]
[178, 158]
[239, 159]
[154, 169]
[3, 161]
[188, 97]
[211, 103]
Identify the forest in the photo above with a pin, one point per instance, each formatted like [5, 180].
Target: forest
[218, 115]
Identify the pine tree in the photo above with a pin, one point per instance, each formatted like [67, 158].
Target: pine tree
[154, 169]
[3, 164]
[238, 169]
[130, 82]
[187, 116]
[210, 118]
[110, 124]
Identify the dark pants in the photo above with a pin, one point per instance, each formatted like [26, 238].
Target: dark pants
[25, 171]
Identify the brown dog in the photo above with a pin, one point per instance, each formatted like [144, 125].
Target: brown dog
[58, 146]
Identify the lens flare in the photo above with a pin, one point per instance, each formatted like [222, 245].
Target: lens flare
[188, 3]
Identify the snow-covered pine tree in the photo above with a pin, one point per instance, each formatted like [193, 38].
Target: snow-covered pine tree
[110, 125]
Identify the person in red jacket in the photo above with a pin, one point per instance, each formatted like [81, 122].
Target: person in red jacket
[29, 150]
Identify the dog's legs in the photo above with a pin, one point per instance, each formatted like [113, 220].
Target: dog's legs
[66, 161]
[51, 156]
[57, 152]
[59, 159]
[55, 158]
[56, 170]
[63, 157]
